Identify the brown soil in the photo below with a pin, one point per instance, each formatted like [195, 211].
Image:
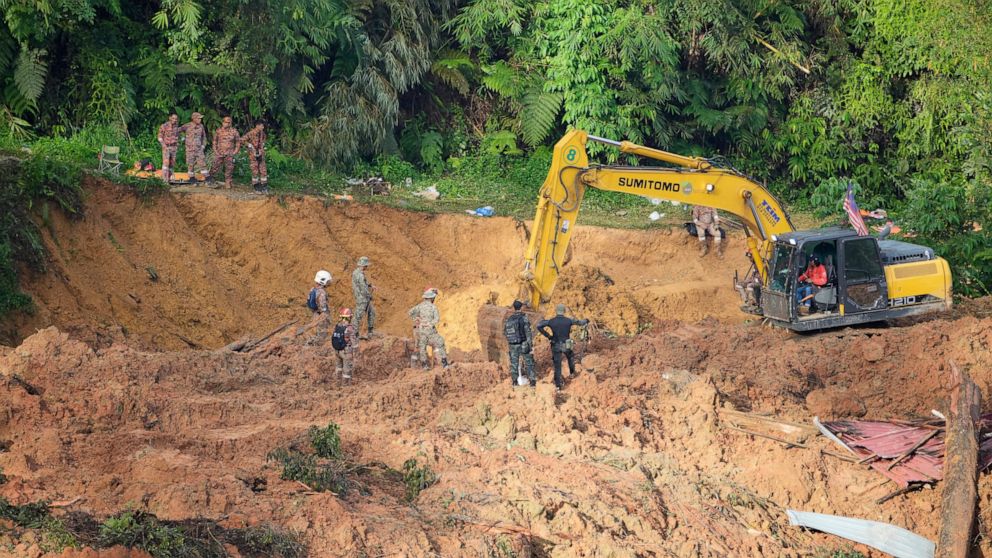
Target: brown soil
[229, 265]
[632, 459]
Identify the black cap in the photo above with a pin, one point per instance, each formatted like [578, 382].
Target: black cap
[517, 305]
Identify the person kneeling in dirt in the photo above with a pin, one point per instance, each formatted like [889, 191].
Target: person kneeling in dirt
[317, 303]
[520, 337]
[344, 340]
[425, 319]
[559, 330]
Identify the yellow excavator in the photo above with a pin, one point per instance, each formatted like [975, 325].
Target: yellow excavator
[869, 279]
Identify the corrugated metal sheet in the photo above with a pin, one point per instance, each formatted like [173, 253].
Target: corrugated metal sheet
[887, 538]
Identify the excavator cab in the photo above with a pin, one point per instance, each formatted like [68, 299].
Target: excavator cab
[859, 271]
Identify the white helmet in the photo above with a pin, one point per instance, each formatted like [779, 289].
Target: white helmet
[323, 278]
[430, 293]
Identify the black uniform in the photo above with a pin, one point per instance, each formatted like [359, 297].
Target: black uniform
[560, 328]
[520, 338]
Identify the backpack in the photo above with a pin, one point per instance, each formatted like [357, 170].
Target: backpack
[338, 340]
[514, 329]
[312, 300]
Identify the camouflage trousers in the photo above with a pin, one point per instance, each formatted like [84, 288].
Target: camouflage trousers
[228, 162]
[703, 228]
[168, 161]
[322, 323]
[516, 353]
[196, 161]
[345, 363]
[430, 337]
[364, 309]
[258, 169]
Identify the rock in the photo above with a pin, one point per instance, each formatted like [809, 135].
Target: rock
[835, 402]
[524, 440]
[873, 350]
[504, 429]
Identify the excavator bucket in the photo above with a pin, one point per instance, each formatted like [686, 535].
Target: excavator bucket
[490, 323]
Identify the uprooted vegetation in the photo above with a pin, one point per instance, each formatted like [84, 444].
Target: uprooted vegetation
[195, 538]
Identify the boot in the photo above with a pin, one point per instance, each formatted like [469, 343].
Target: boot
[719, 250]
[704, 249]
[444, 362]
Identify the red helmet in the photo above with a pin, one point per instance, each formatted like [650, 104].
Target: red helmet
[346, 313]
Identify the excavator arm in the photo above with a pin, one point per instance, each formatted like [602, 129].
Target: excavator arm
[694, 181]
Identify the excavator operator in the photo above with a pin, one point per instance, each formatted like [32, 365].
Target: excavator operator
[812, 279]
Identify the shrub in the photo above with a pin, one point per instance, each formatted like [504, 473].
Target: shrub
[417, 478]
[326, 441]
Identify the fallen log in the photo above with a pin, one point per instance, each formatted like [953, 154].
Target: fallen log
[252, 345]
[957, 503]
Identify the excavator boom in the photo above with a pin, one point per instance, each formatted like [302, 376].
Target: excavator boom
[695, 181]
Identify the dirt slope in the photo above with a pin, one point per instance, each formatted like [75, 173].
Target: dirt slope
[229, 266]
[632, 459]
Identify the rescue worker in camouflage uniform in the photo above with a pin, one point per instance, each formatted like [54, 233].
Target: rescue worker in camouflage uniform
[520, 337]
[362, 289]
[227, 144]
[321, 313]
[706, 220]
[168, 138]
[195, 137]
[255, 140]
[345, 334]
[425, 318]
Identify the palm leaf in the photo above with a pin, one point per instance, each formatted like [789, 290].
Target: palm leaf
[30, 72]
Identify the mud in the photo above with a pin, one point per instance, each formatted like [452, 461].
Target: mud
[195, 270]
[631, 459]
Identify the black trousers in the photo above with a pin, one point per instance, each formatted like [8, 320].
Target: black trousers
[556, 357]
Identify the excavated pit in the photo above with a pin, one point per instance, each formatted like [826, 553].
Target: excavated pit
[114, 407]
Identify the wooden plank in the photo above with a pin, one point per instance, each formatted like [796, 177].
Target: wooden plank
[755, 420]
[957, 503]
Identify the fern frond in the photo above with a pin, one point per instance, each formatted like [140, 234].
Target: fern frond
[502, 79]
[30, 73]
[538, 115]
[432, 149]
[8, 50]
[450, 68]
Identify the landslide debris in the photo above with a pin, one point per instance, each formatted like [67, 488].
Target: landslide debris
[631, 459]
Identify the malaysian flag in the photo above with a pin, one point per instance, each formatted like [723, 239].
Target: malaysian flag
[853, 215]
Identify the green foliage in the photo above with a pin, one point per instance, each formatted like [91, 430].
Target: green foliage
[32, 515]
[267, 541]
[416, 478]
[137, 530]
[326, 442]
[827, 199]
[322, 476]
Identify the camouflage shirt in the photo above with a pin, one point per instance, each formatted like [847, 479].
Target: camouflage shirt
[360, 285]
[425, 315]
[255, 138]
[168, 134]
[350, 338]
[227, 141]
[703, 214]
[321, 301]
[196, 134]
